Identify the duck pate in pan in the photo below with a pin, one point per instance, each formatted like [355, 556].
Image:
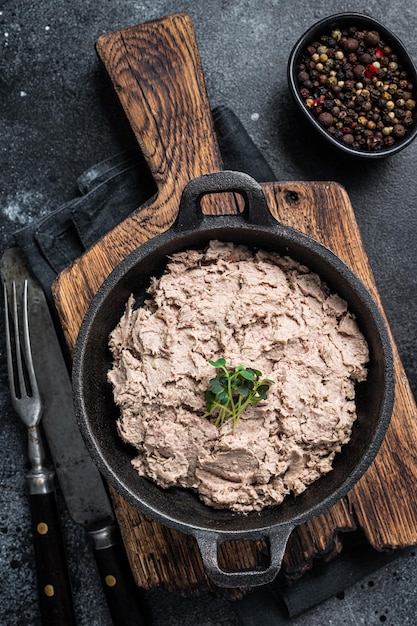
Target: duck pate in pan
[255, 308]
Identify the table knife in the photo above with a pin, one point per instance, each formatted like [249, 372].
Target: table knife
[80, 482]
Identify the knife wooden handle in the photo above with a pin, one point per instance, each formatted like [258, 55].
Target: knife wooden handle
[54, 588]
[123, 596]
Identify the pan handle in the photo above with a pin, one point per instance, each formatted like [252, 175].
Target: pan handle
[209, 543]
[255, 211]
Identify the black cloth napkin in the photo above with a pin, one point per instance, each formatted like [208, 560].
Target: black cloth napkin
[109, 192]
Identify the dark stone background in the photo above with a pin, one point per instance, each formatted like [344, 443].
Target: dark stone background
[58, 117]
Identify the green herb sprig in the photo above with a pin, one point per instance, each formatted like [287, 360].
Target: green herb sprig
[232, 390]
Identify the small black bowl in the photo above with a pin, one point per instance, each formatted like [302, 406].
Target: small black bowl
[363, 22]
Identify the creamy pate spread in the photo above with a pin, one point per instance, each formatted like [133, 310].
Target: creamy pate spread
[254, 308]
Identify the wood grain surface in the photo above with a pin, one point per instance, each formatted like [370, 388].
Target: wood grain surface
[156, 71]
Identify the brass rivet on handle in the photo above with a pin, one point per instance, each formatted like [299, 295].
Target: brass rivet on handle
[49, 590]
[42, 528]
[110, 580]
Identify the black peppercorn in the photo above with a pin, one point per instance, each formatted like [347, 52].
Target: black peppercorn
[303, 76]
[350, 44]
[398, 131]
[326, 119]
[371, 39]
[358, 71]
[348, 139]
[365, 58]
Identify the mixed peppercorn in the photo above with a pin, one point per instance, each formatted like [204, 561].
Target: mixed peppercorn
[355, 86]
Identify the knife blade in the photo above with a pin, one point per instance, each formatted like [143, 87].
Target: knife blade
[81, 484]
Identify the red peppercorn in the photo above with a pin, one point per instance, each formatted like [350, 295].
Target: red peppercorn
[371, 71]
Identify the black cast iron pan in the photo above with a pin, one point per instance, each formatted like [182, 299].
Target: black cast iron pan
[97, 413]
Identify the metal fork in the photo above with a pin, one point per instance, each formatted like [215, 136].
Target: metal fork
[54, 589]
[24, 390]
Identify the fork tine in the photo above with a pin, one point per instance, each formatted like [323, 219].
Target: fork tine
[8, 342]
[27, 346]
[16, 324]
[17, 387]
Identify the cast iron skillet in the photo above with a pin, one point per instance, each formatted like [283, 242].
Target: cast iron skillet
[97, 413]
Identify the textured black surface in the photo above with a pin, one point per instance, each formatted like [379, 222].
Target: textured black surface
[58, 117]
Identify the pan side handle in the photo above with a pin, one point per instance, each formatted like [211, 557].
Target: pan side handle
[209, 543]
[255, 209]
[156, 71]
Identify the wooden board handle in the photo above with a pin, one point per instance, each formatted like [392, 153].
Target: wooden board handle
[155, 69]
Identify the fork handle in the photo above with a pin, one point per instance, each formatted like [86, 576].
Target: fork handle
[54, 588]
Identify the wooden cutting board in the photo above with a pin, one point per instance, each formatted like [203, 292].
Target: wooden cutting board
[156, 72]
